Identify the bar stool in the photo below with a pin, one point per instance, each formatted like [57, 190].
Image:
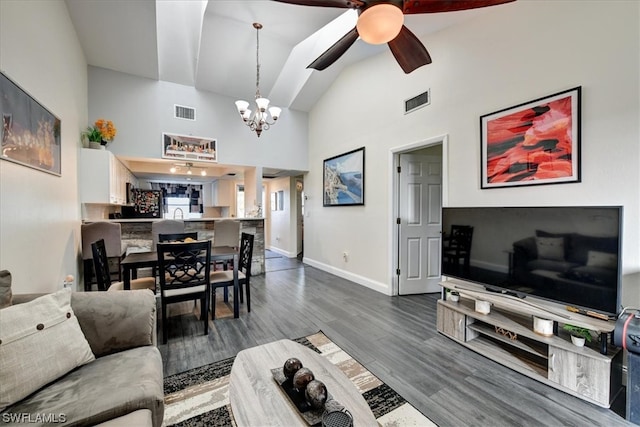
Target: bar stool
[111, 233]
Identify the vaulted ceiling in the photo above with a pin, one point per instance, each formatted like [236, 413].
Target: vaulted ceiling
[211, 45]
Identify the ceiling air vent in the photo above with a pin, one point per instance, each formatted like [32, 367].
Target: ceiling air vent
[182, 112]
[417, 102]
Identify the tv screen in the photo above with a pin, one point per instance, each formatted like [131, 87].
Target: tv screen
[570, 255]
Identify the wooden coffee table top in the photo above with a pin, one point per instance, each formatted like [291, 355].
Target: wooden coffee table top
[256, 398]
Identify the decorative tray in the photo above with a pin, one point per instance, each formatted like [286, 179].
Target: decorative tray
[311, 416]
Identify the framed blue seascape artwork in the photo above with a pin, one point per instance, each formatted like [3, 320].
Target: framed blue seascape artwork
[343, 179]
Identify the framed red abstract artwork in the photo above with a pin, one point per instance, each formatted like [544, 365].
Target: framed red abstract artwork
[537, 142]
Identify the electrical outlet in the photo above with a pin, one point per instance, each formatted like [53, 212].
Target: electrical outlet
[345, 256]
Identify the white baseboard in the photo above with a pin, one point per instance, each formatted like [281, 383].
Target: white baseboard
[282, 252]
[360, 280]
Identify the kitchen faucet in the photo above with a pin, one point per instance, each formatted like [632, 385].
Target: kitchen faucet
[176, 211]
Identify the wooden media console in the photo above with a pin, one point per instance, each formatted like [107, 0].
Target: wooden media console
[506, 336]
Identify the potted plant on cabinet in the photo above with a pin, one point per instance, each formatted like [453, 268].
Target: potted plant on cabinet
[578, 334]
[100, 134]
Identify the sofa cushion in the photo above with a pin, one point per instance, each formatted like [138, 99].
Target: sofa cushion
[40, 341]
[116, 321]
[550, 248]
[109, 387]
[5, 289]
[602, 260]
[581, 245]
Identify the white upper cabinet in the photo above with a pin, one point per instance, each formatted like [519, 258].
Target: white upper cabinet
[103, 178]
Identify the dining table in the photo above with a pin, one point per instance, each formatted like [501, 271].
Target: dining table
[133, 261]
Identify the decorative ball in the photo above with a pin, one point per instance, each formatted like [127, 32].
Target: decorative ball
[291, 366]
[316, 394]
[302, 377]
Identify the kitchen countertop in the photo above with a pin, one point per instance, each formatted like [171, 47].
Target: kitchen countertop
[158, 219]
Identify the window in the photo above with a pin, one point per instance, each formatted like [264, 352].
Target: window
[179, 208]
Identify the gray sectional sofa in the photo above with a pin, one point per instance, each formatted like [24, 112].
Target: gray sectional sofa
[123, 385]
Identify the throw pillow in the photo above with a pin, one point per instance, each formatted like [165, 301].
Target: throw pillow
[5, 288]
[602, 260]
[551, 248]
[40, 341]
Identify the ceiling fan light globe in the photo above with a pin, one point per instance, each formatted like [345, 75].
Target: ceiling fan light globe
[380, 23]
[242, 106]
[263, 104]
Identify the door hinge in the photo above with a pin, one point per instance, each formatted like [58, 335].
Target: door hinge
[398, 221]
[399, 169]
[397, 272]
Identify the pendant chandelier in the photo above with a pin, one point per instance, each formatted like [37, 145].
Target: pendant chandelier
[259, 119]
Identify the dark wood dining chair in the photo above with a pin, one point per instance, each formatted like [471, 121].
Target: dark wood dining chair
[111, 233]
[457, 247]
[103, 275]
[184, 270]
[224, 278]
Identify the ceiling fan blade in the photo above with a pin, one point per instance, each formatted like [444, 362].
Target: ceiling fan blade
[332, 54]
[409, 51]
[435, 6]
[345, 4]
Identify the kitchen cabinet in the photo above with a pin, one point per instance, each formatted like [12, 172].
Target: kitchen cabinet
[219, 193]
[103, 178]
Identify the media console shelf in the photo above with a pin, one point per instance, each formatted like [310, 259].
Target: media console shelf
[506, 336]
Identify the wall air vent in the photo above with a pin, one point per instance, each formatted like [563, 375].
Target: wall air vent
[417, 102]
[182, 112]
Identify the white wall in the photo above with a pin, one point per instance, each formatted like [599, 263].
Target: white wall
[509, 55]
[283, 230]
[142, 109]
[39, 220]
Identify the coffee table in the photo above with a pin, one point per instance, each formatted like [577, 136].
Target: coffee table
[257, 400]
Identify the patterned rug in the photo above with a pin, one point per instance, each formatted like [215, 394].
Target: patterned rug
[200, 396]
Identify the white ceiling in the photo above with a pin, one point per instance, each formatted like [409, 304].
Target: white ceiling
[211, 45]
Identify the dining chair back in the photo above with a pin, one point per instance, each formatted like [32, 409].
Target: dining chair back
[184, 272]
[165, 226]
[224, 279]
[111, 233]
[103, 275]
[226, 233]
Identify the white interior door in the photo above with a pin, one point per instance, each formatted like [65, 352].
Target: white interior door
[420, 208]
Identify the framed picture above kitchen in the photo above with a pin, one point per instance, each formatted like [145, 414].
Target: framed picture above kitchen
[187, 147]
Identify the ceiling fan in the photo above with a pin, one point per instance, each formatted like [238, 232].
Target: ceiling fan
[382, 21]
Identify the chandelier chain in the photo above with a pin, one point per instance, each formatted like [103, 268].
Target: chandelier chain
[257, 62]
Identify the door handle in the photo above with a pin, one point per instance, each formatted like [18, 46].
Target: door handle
[552, 362]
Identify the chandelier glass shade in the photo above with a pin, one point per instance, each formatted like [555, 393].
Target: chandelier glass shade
[380, 23]
[263, 117]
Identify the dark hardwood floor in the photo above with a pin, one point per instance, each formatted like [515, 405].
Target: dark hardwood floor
[394, 337]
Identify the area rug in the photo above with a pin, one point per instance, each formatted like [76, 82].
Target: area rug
[200, 396]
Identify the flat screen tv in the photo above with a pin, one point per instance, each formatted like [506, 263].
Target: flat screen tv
[570, 255]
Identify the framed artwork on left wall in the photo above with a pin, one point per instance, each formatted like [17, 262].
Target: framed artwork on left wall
[537, 142]
[30, 133]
